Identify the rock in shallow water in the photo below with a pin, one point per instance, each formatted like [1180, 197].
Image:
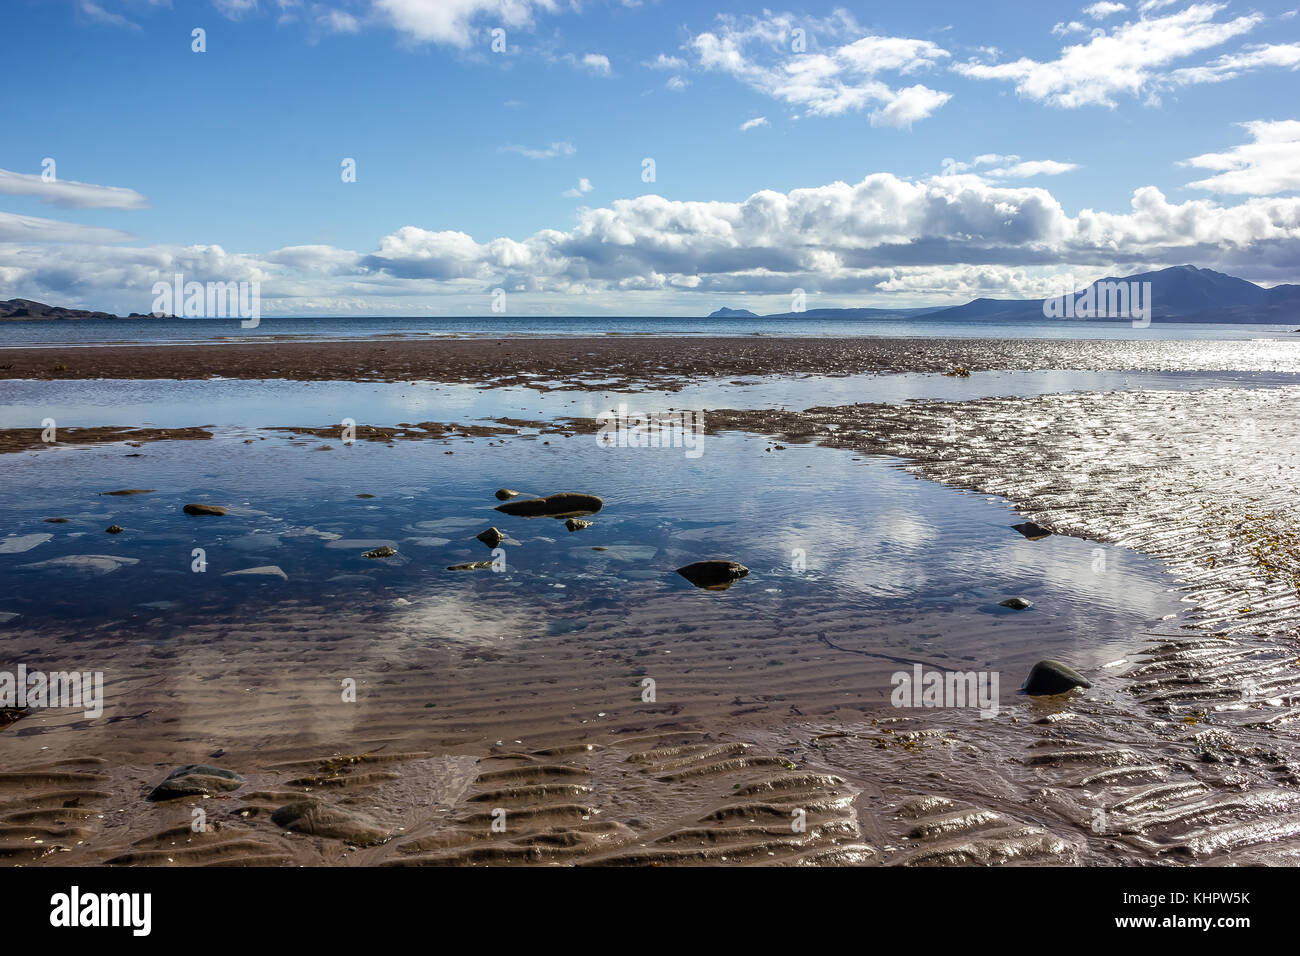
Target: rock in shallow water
[471, 566]
[713, 575]
[1016, 604]
[505, 494]
[197, 509]
[1053, 677]
[322, 819]
[196, 780]
[114, 529]
[385, 551]
[577, 524]
[263, 571]
[565, 504]
[1032, 531]
[491, 537]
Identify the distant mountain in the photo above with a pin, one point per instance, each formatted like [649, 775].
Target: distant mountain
[1178, 294]
[26, 309]
[733, 314]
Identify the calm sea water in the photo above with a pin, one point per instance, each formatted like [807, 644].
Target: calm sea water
[107, 331]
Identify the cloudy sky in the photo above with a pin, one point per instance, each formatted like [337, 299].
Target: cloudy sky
[395, 157]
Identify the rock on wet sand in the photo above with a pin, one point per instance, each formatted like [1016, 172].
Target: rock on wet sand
[713, 575]
[323, 819]
[196, 780]
[1053, 677]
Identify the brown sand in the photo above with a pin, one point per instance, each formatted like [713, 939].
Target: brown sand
[622, 362]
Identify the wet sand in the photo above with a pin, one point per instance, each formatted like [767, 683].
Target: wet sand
[624, 362]
[1184, 751]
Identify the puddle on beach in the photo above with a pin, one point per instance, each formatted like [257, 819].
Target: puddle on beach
[903, 568]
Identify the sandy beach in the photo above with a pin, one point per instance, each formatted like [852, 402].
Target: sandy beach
[476, 705]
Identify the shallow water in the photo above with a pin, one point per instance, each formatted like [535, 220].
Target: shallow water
[914, 569]
[167, 403]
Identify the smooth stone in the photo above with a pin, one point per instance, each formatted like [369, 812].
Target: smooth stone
[89, 563]
[1016, 604]
[56, 520]
[128, 491]
[505, 494]
[196, 780]
[713, 575]
[577, 524]
[471, 566]
[20, 543]
[264, 571]
[323, 819]
[491, 537]
[197, 509]
[564, 504]
[1034, 532]
[1052, 677]
[114, 529]
[384, 552]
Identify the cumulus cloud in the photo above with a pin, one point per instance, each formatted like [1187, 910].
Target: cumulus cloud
[596, 63]
[776, 56]
[754, 123]
[577, 192]
[949, 235]
[1132, 59]
[70, 193]
[1103, 9]
[452, 21]
[1270, 164]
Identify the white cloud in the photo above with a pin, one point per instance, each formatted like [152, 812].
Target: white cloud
[577, 192]
[1007, 166]
[94, 12]
[662, 62]
[15, 228]
[1231, 65]
[70, 193]
[759, 52]
[1064, 29]
[1129, 60]
[1103, 9]
[597, 63]
[235, 9]
[452, 21]
[338, 21]
[548, 152]
[754, 123]
[1270, 164]
[883, 235]
[676, 84]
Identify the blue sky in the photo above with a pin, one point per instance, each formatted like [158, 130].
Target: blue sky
[900, 154]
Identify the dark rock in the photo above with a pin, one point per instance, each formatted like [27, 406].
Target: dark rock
[323, 819]
[471, 566]
[1053, 677]
[1034, 532]
[193, 509]
[505, 494]
[196, 780]
[713, 575]
[128, 491]
[566, 504]
[57, 520]
[491, 537]
[364, 495]
[577, 524]
[384, 551]
[1016, 604]
[114, 529]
